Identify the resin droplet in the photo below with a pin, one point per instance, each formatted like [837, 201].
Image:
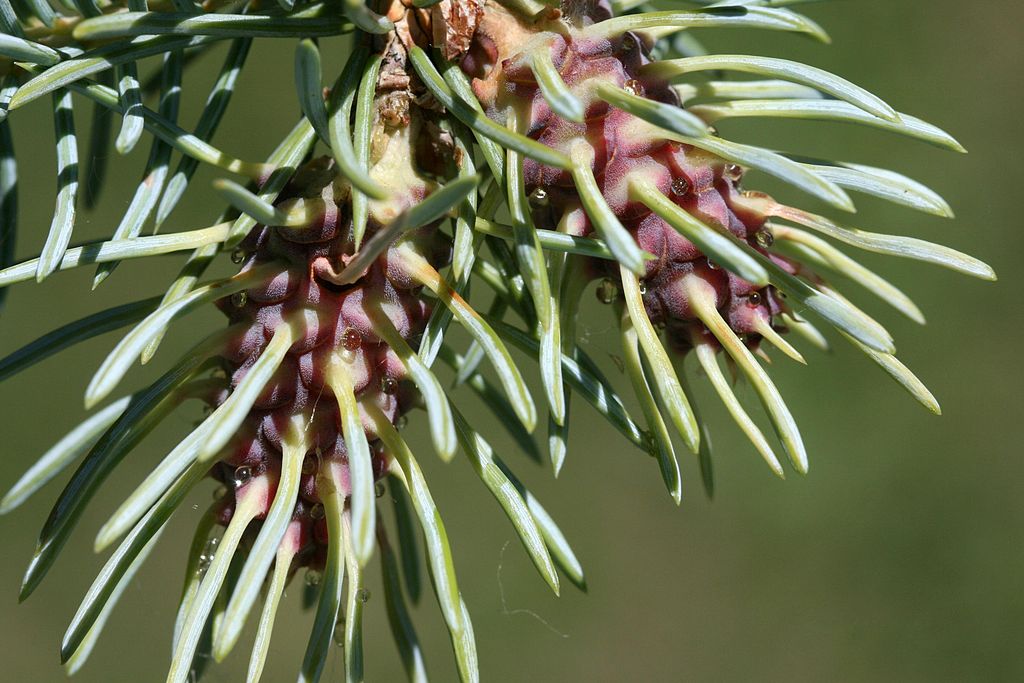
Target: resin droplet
[755, 299]
[238, 255]
[764, 238]
[680, 186]
[239, 299]
[539, 196]
[339, 632]
[206, 558]
[241, 476]
[734, 171]
[634, 87]
[643, 287]
[309, 466]
[712, 265]
[363, 595]
[317, 511]
[607, 291]
[388, 385]
[351, 340]
[313, 577]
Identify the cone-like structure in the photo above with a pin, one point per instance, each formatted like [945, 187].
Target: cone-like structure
[576, 140]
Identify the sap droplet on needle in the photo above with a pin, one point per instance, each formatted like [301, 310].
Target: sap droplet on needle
[242, 476]
[764, 238]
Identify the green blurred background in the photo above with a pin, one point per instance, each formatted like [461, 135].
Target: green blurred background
[899, 558]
